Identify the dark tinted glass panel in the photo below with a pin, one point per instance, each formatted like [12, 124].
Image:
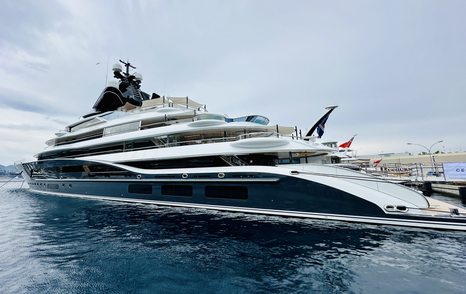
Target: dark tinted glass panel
[177, 190]
[52, 186]
[140, 189]
[72, 169]
[230, 192]
[56, 169]
[208, 161]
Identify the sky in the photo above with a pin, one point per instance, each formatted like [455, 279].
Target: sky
[396, 69]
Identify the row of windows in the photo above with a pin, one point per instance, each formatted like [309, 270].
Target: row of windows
[136, 125]
[49, 186]
[227, 192]
[180, 139]
[78, 169]
[60, 169]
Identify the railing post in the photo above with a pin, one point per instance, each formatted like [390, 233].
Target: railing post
[422, 172]
[443, 172]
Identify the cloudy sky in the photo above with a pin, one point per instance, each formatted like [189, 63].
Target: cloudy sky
[397, 69]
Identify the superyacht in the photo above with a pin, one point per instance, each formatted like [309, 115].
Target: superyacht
[140, 147]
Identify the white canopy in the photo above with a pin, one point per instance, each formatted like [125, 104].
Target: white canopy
[185, 101]
[179, 101]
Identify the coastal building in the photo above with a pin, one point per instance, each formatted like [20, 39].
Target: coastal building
[407, 158]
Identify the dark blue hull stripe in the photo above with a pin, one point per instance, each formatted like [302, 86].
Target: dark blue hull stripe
[445, 224]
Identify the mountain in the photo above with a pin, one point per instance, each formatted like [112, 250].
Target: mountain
[7, 169]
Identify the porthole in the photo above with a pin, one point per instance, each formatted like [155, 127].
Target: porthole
[390, 208]
[402, 208]
[397, 208]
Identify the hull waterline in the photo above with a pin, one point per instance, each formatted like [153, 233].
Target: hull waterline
[270, 191]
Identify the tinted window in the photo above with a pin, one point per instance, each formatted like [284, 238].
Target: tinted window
[230, 192]
[52, 186]
[140, 189]
[177, 190]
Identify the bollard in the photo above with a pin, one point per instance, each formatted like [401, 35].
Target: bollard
[427, 189]
[462, 193]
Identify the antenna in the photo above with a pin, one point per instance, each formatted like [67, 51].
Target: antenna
[127, 65]
[106, 74]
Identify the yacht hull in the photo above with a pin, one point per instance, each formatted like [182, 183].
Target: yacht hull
[419, 222]
[247, 192]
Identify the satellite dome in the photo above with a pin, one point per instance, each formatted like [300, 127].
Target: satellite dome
[117, 67]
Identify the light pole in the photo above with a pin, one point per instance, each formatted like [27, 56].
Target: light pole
[428, 150]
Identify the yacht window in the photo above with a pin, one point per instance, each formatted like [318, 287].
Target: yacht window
[258, 119]
[113, 114]
[208, 161]
[52, 186]
[228, 192]
[124, 128]
[177, 190]
[87, 123]
[80, 138]
[202, 116]
[140, 189]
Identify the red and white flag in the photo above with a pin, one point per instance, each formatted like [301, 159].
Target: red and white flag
[347, 144]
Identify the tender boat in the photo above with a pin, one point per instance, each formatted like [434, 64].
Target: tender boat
[143, 148]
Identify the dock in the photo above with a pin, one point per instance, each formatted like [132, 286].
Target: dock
[448, 178]
[455, 189]
[450, 189]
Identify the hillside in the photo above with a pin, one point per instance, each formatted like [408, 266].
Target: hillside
[7, 169]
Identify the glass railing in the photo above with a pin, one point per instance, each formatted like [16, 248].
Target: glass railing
[170, 142]
[259, 135]
[204, 116]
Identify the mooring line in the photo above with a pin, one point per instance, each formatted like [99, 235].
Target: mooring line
[12, 179]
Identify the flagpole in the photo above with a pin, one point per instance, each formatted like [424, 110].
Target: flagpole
[320, 123]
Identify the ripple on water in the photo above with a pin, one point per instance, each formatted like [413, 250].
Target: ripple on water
[74, 245]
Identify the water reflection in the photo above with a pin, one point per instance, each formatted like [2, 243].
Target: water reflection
[82, 245]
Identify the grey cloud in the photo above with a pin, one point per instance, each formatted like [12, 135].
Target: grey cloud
[395, 68]
[38, 66]
[23, 22]
[14, 103]
[23, 126]
[23, 100]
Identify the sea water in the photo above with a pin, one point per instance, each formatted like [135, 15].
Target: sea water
[53, 244]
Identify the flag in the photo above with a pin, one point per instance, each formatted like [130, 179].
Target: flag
[347, 144]
[320, 124]
[376, 162]
[321, 127]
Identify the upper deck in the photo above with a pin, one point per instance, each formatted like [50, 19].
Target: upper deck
[127, 119]
[154, 113]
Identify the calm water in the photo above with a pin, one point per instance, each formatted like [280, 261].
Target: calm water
[69, 245]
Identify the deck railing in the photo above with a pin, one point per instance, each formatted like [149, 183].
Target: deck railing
[162, 144]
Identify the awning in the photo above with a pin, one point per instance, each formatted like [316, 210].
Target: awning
[185, 101]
